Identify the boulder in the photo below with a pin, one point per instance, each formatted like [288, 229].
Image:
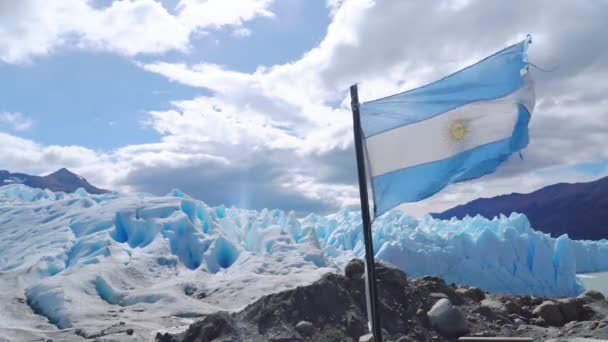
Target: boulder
[512, 307]
[354, 269]
[571, 309]
[550, 313]
[435, 285]
[305, 328]
[472, 293]
[592, 295]
[494, 305]
[447, 319]
[388, 274]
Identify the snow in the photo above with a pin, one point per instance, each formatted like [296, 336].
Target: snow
[157, 262]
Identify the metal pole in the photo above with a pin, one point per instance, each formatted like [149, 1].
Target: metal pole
[372, 297]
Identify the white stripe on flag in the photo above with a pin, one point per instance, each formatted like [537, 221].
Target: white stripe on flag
[447, 134]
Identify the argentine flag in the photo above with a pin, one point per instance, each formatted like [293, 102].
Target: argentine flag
[452, 130]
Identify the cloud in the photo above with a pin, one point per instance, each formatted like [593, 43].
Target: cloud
[281, 136]
[267, 179]
[390, 46]
[31, 28]
[16, 121]
[24, 154]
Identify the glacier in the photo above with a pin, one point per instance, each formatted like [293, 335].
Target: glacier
[158, 262]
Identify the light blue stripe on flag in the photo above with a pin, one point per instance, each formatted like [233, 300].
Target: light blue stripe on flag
[458, 128]
[492, 77]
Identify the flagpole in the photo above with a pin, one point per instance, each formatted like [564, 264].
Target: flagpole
[371, 288]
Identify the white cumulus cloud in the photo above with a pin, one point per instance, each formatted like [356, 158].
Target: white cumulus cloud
[31, 28]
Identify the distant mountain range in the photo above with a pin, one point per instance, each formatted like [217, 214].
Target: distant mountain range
[579, 210]
[61, 180]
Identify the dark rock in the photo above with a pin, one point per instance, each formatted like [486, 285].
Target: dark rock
[424, 319]
[433, 279]
[550, 313]
[472, 293]
[593, 295]
[534, 301]
[334, 309]
[354, 269]
[571, 309]
[210, 328]
[166, 337]
[130, 332]
[525, 300]
[305, 328]
[189, 290]
[387, 273]
[447, 319]
[512, 307]
[355, 325]
[436, 285]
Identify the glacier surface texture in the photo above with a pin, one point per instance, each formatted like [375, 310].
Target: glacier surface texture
[158, 262]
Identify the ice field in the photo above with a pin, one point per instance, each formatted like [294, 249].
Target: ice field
[86, 261]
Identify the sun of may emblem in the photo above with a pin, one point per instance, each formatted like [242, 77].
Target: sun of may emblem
[458, 131]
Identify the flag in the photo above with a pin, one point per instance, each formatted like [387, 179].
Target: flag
[456, 129]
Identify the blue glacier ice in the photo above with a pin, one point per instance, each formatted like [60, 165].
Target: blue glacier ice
[500, 255]
[76, 256]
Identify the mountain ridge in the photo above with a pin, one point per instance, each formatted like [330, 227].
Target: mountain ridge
[60, 180]
[577, 209]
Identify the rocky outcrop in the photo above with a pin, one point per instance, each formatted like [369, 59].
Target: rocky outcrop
[415, 309]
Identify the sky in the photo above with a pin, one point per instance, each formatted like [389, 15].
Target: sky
[245, 102]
